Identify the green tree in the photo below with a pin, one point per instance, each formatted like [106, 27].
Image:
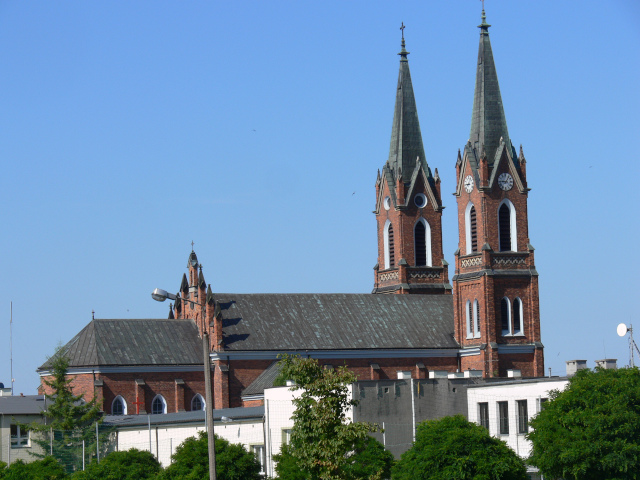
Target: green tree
[369, 459]
[191, 461]
[128, 465]
[46, 469]
[453, 448]
[591, 429]
[69, 420]
[322, 439]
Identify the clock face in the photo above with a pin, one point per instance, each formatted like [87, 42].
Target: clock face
[468, 184]
[505, 181]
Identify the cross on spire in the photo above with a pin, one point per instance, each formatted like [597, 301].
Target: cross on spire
[402, 27]
[192, 245]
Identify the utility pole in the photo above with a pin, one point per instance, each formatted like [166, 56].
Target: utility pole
[209, 406]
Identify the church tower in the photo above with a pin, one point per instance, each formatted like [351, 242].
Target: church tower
[408, 206]
[495, 286]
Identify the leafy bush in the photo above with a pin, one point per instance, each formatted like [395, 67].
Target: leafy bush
[191, 461]
[46, 469]
[453, 448]
[128, 465]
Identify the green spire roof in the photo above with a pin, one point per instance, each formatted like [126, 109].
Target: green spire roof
[406, 139]
[488, 122]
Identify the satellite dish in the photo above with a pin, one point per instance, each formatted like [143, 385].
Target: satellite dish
[622, 330]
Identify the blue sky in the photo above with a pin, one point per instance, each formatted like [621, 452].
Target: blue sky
[129, 129]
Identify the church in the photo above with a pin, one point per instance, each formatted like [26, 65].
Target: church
[414, 322]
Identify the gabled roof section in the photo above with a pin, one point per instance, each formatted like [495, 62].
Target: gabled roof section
[406, 148]
[298, 322]
[488, 121]
[134, 342]
[505, 154]
[265, 380]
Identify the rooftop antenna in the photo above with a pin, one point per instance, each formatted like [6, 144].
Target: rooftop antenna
[622, 331]
[11, 342]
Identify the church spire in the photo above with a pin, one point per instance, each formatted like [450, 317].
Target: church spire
[488, 122]
[406, 148]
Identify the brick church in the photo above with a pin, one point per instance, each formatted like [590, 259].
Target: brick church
[415, 320]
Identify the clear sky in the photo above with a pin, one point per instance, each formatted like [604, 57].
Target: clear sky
[255, 129]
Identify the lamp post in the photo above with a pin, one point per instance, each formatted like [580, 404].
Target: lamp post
[161, 295]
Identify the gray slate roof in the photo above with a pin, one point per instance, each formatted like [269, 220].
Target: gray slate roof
[289, 322]
[22, 405]
[134, 342]
[239, 413]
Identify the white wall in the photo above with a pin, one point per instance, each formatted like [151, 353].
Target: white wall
[164, 439]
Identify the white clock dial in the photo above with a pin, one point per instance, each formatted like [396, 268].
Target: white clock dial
[468, 184]
[505, 181]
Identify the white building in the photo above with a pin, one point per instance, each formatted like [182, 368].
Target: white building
[505, 408]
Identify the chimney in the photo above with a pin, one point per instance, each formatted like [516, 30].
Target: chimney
[607, 363]
[574, 365]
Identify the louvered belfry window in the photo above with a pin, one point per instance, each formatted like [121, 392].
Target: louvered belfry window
[504, 221]
[474, 229]
[477, 317]
[392, 262]
[419, 236]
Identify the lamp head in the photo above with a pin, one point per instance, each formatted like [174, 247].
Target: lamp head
[160, 295]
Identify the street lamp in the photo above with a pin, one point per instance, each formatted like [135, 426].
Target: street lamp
[160, 296]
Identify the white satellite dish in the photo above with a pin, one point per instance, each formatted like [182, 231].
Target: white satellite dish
[622, 330]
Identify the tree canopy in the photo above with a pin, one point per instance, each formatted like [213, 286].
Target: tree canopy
[322, 438]
[591, 429]
[128, 465]
[368, 460]
[46, 469]
[453, 448]
[191, 461]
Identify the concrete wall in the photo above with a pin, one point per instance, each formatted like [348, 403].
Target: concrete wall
[9, 454]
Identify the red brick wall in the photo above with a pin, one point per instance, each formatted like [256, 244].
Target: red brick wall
[124, 384]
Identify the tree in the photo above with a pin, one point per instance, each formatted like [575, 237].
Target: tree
[46, 469]
[591, 429]
[191, 461]
[453, 448]
[322, 439]
[69, 420]
[369, 459]
[128, 465]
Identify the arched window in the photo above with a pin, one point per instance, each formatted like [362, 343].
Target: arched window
[422, 243]
[119, 406]
[197, 403]
[389, 248]
[505, 315]
[159, 405]
[469, 320]
[507, 231]
[517, 316]
[471, 227]
[476, 319]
